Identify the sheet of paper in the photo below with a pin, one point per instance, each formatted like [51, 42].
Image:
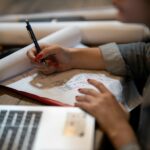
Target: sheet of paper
[18, 62]
[102, 13]
[92, 32]
[45, 128]
[64, 86]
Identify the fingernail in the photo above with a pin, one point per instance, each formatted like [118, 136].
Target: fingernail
[75, 104]
[79, 89]
[56, 65]
[39, 56]
[77, 97]
[88, 80]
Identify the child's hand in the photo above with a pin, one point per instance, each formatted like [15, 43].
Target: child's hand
[102, 105]
[111, 117]
[52, 58]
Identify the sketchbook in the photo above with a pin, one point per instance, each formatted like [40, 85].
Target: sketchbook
[45, 128]
[61, 88]
[17, 73]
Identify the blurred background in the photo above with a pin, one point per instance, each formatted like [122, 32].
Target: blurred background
[36, 6]
[48, 11]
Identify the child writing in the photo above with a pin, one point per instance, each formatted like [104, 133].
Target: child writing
[129, 60]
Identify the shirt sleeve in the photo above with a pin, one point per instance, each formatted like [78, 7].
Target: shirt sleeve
[131, 61]
[128, 60]
[133, 56]
[131, 146]
[137, 59]
[113, 59]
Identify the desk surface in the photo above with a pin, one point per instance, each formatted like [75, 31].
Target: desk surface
[10, 98]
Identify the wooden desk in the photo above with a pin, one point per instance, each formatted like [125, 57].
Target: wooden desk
[10, 98]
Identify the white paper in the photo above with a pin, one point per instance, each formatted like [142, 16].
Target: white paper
[18, 62]
[50, 133]
[92, 32]
[64, 86]
[103, 13]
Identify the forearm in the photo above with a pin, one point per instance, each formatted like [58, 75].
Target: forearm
[87, 58]
[122, 136]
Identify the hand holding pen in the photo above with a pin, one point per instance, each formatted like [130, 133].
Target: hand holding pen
[48, 58]
[62, 59]
[38, 57]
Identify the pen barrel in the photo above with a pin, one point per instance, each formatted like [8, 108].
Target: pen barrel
[32, 35]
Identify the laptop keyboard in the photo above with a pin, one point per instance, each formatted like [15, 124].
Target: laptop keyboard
[18, 129]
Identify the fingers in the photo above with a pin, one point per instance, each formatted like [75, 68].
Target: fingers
[91, 92]
[85, 98]
[46, 67]
[83, 105]
[83, 102]
[46, 70]
[32, 54]
[100, 86]
[49, 50]
[47, 60]
[42, 46]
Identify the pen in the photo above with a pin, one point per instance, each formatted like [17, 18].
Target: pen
[38, 49]
[29, 28]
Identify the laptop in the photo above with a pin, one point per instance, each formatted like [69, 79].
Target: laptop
[45, 128]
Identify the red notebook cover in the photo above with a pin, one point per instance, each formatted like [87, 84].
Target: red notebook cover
[43, 100]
